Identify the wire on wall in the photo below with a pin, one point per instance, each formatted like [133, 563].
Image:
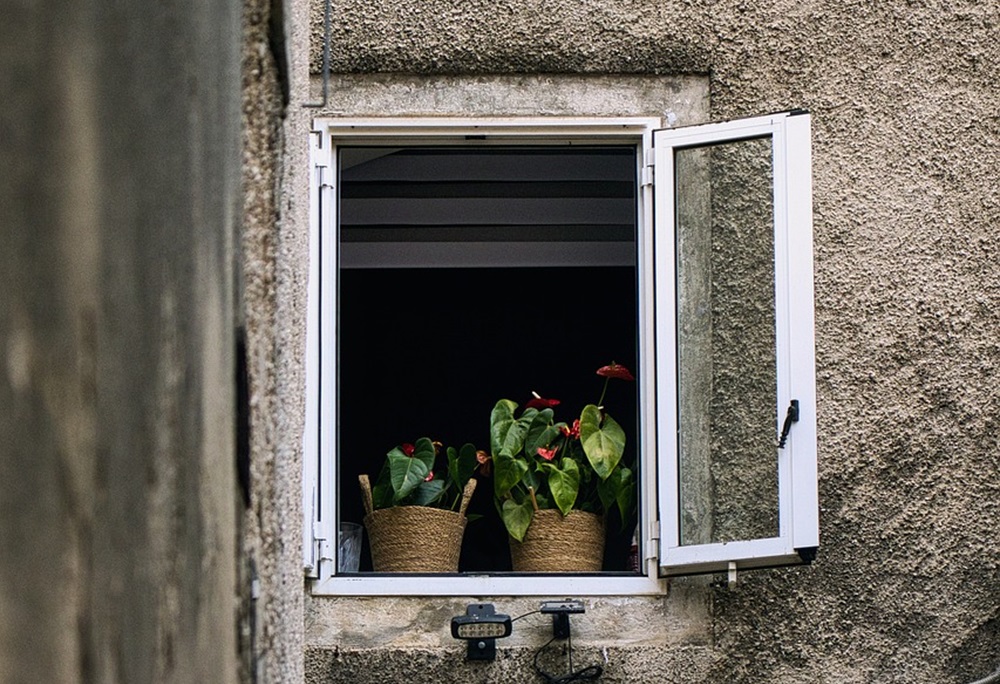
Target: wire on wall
[589, 673]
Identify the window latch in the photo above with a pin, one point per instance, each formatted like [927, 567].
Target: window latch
[792, 416]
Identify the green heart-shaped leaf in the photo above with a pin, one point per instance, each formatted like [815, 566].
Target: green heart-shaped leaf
[507, 433]
[427, 493]
[517, 517]
[603, 440]
[618, 489]
[507, 472]
[461, 465]
[541, 432]
[564, 483]
[423, 450]
[405, 473]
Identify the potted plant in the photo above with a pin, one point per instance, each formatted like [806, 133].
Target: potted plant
[555, 482]
[415, 515]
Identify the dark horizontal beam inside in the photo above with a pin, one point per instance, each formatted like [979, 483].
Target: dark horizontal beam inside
[490, 233]
[459, 188]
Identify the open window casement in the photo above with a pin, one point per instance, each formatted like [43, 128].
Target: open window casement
[736, 435]
[713, 255]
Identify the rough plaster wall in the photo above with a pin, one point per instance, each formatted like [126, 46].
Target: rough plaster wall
[905, 147]
[393, 625]
[274, 244]
[118, 201]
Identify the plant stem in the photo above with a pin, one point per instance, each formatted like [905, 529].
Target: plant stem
[534, 501]
[600, 402]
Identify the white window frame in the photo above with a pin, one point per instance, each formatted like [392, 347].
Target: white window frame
[319, 442]
[798, 521]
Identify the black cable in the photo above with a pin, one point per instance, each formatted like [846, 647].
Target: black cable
[588, 673]
[534, 612]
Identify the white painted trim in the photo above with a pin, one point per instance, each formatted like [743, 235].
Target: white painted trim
[721, 554]
[322, 372]
[490, 585]
[327, 366]
[550, 128]
[794, 344]
[310, 437]
[666, 347]
[802, 363]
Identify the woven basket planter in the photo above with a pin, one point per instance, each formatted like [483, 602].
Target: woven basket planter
[414, 538]
[554, 543]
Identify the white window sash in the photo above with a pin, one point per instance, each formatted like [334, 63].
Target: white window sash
[797, 482]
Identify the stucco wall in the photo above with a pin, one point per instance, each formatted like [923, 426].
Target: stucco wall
[273, 247]
[119, 192]
[905, 147]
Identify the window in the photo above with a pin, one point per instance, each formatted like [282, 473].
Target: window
[449, 262]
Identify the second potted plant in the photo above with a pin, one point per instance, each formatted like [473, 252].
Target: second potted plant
[555, 482]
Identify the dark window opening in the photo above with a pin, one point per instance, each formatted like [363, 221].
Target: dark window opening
[472, 274]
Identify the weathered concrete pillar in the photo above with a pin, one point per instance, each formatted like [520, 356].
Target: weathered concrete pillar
[119, 140]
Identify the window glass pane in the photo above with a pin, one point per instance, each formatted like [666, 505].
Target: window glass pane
[726, 342]
[471, 274]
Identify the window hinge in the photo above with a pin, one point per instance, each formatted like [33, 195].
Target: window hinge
[653, 545]
[648, 168]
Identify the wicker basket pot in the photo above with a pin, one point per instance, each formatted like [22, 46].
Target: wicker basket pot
[414, 538]
[554, 543]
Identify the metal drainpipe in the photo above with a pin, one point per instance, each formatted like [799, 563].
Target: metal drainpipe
[326, 59]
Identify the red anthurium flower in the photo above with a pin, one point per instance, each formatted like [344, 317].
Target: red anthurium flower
[548, 454]
[539, 402]
[407, 449]
[615, 370]
[573, 432]
[430, 476]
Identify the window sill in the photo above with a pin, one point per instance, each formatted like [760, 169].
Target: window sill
[603, 584]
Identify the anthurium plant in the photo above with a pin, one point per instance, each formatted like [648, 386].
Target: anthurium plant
[408, 477]
[539, 462]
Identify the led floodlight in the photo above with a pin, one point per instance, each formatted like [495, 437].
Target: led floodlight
[481, 626]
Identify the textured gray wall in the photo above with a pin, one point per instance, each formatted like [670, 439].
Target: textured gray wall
[119, 190]
[905, 150]
[273, 249]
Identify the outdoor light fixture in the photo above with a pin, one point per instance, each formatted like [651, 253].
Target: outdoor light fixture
[481, 626]
[560, 612]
